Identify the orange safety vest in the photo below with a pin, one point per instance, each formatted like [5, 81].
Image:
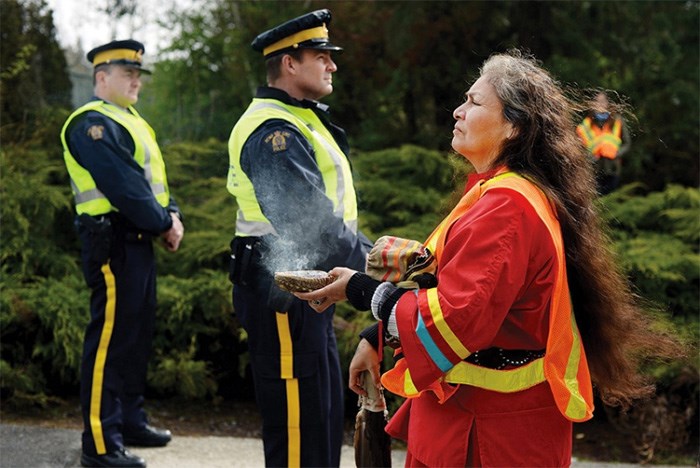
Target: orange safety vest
[602, 142]
[564, 364]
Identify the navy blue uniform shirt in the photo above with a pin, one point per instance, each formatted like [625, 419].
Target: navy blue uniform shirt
[110, 161]
[291, 192]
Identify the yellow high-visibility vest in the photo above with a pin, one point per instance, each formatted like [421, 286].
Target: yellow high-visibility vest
[88, 198]
[332, 162]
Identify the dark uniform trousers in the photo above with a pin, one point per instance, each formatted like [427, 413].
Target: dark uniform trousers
[117, 342]
[297, 379]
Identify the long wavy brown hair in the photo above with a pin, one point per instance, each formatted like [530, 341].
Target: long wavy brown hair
[617, 334]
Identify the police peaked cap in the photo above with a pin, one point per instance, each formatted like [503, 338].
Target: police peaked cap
[309, 31]
[127, 53]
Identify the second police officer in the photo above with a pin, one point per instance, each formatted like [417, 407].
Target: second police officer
[290, 175]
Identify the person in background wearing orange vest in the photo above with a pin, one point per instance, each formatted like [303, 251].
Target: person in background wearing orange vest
[498, 358]
[606, 137]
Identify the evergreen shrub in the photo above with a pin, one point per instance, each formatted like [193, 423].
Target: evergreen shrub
[199, 348]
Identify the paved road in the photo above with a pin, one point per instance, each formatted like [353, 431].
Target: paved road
[37, 447]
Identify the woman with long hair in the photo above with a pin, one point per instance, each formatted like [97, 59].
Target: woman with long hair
[530, 311]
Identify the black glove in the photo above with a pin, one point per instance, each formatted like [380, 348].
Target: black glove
[425, 280]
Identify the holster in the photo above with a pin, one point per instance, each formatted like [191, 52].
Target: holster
[101, 233]
[243, 267]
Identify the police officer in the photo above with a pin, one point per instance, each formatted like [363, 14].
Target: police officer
[290, 174]
[123, 203]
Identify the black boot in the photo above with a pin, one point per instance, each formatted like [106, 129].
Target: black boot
[147, 436]
[120, 457]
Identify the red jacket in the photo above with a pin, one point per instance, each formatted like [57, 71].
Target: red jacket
[496, 279]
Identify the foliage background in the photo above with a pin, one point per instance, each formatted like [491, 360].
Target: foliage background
[404, 68]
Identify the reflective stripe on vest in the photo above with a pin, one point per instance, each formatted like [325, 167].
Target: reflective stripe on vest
[88, 198]
[332, 163]
[564, 365]
[602, 142]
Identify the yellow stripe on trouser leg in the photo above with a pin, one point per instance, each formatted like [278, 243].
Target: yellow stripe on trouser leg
[287, 373]
[100, 358]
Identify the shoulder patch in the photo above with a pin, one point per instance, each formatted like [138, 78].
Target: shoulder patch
[278, 140]
[95, 132]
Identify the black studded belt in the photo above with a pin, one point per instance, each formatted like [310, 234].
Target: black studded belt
[499, 358]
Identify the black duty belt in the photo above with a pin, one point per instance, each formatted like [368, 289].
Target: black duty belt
[499, 358]
[137, 236]
[117, 225]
